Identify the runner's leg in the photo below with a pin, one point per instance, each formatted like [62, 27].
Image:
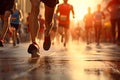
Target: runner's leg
[118, 24]
[33, 23]
[33, 19]
[113, 30]
[5, 27]
[48, 19]
[66, 36]
[48, 23]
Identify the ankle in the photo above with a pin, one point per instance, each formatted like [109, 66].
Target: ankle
[48, 29]
[35, 44]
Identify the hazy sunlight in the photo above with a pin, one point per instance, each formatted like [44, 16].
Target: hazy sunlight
[80, 6]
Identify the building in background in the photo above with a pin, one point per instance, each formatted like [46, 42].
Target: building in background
[25, 7]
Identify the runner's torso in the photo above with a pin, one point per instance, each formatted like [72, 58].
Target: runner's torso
[64, 10]
[98, 16]
[15, 19]
[88, 20]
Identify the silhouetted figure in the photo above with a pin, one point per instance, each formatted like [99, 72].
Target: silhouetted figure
[113, 7]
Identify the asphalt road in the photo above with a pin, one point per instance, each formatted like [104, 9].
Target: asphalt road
[77, 62]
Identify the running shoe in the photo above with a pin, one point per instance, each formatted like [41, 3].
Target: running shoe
[14, 43]
[88, 43]
[33, 49]
[64, 44]
[1, 44]
[47, 42]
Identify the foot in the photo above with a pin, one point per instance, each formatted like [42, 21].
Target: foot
[14, 44]
[33, 49]
[87, 43]
[64, 44]
[1, 44]
[47, 42]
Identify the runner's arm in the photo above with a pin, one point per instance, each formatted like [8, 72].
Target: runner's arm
[21, 15]
[57, 10]
[73, 12]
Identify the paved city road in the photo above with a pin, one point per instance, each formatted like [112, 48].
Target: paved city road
[78, 62]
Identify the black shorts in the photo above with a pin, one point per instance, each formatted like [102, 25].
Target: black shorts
[50, 3]
[16, 26]
[6, 5]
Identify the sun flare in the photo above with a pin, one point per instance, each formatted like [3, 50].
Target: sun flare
[80, 6]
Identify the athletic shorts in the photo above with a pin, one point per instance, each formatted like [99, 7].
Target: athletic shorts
[64, 25]
[6, 5]
[50, 3]
[16, 26]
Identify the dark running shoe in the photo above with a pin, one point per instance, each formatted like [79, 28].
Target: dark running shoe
[47, 42]
[62, 38]
[33, 49]
[14, 44]
[1, 44]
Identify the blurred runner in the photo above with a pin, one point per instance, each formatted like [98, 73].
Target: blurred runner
[88, 19]
[63, 12]
[42, 27]
[98, 17]
[27, 23]
[5, 11]
[54, 29]
[76, 33]
[15, 19]
[113, 7]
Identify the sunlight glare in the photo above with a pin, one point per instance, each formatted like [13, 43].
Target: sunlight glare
[80, 7]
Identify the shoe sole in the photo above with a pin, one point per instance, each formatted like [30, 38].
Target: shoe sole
[1, 44]
[46, 47]
[33, 51]
[35, 54]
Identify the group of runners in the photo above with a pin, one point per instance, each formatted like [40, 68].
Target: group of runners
[96, 21]
[62, 14]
